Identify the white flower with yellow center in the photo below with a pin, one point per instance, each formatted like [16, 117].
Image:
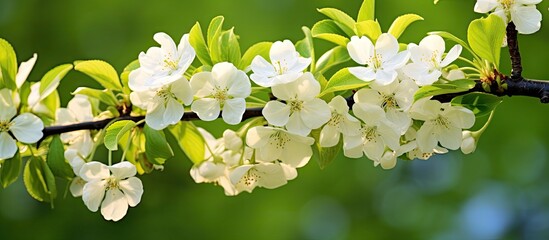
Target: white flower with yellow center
[286, 65]
[113, 187]
[427, 62]
[266, 175]
[341, 122]
[26, 128]
[224, 88]
[522, 12]
[302, 110]
[162, 65]
[375, 134]
[382, 60]
[273, 144]
[163, 104]
[443, 124]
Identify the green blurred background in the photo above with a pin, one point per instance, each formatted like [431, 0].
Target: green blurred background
[499, 192]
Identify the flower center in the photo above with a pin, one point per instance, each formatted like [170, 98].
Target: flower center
[389, 102]
[376, 61]
[220, 95]
[169, 63]
[442, 121]
[112, 183]
[295, 105]
[279, 140]
[336, 119]
[165, 93]
[369, 133]
[250, 178]
[506, 4]
[5, 126]
[280, 67]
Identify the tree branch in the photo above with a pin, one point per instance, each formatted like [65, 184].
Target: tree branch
[512, 43]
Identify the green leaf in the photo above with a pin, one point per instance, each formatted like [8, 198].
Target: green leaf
[125, 75]
[214, 29]
[343, 80]
[196, 39]
[190, 140]
[102, 72]
[227, 48]
[367, 11]
[52, 103]
[447, 88]
[325, 156]
[305, 47]
[106, 96]
[50, 81]
[329, 31]
[39, 180]
[56, 159]
[261, 49]
[10, 170]
[8, 65]
[401, 23]
[157, 148]
[344, 21]
[455, 39]
[332, 58]
[370, 29]
[482, 104]
[115, 131]
[485, 37]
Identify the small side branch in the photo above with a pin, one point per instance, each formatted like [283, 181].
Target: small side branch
[512, 43]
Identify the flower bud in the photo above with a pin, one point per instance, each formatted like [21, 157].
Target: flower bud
[469, 143]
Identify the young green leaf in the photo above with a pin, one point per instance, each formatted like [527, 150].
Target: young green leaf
[56, 159]
[190, 141]
[329, 31]
[486, 36]
[105, 96]
[52, 103]
[214, 29]
[50, 81]
[331, 58]
[157, 148]
[482, 104]
[226, 48]
[102, 72]
[196, 39]
[439, 89]
[115, 131]
[261, 49]
[306, 47]
[401, 23]
[39, 180]
[8, 65]
[10, 170]
[343, 80]
[370, 29]
[344, 21]
[455, 39]
[367, 11]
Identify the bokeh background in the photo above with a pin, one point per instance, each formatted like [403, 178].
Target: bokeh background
[499, 192]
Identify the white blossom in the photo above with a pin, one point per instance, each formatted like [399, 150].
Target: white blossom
[26, 127]
[286, 65]
[272, 144]
[24, 70]
[522, 12]
[113, 187]
[224, 88]
[341, 122]
[468, 142]
[427, 62]
[266, 175]
[162, 65]
[163, 104]
[382, 60]
[443, 124]
[303, 111]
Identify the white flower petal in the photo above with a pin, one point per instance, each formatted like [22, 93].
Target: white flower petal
[7, 108]
[27, 128]
[449, 137]
[207, 109]
[93, 194]
[182, 90]
[24, 70]
[436, 45]
[296, 154]
[426, 139]
[258, 137]
[94, 171]
[526, 18]
[133, 190]
[141, 99]
[329, 136]
[485, 6]
[363, 73]
[296, 125]
[8, 146]
[77, 187]
[276, 113]
[315, 113]
[272, 175]
[174, 112]
[155, 114]
[452, 55]
[233, 110]
[123, 170]
[115, 205]
[398, 61]
[283, 51]
[385, 77]
[240, 86]
[360, 49]
[386, 46]
[81, 107]
[202, 84]
[461, 117]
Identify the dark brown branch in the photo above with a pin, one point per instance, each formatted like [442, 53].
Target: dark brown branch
[512, 43]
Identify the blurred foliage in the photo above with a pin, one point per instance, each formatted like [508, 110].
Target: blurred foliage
[498, 192]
